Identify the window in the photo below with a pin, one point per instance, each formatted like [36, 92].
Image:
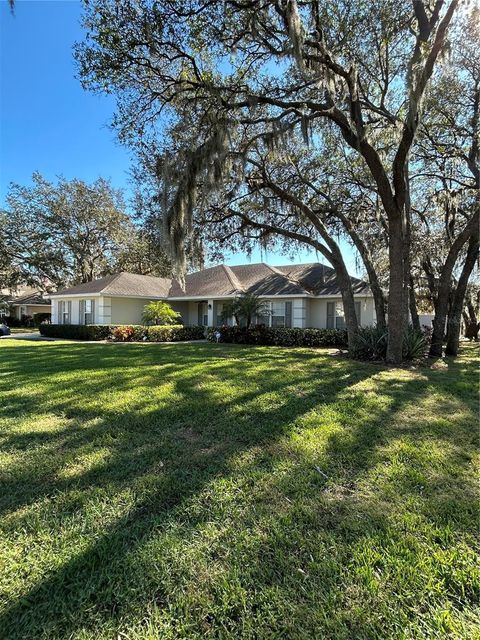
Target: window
[336, 315]
[87, 311]
[280, 315]
[64, 311]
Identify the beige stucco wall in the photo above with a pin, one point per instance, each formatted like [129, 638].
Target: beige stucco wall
[127, 310]
[317, 312]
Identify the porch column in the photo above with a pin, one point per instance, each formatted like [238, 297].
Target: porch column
[210, 313]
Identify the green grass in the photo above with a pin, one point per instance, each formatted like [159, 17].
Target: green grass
[219, 491]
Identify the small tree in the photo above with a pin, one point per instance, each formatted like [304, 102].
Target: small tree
[160, 312]
[245, 307]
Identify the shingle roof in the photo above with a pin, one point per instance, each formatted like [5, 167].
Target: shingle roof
[222, 281]
[123, 284]
[216, 281]
[30, 298]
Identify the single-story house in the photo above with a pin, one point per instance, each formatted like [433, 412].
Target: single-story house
[28, 304]
[301, 295]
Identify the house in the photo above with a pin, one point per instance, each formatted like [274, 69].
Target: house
[302, 295]
[26, 304]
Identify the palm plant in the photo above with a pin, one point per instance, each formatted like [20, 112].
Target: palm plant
[159, 312]
[245, 307]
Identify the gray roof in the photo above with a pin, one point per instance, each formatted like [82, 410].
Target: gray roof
[123, 284]
[224, 281]
[30, 298]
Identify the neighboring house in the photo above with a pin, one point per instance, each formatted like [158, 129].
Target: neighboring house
[28, 304]
[303, 295]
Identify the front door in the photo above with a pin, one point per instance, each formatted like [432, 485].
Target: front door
[203, 314]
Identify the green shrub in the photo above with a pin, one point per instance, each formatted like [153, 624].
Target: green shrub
[284, 337]
[175, 333]
[76, 331]
[414, 344]
[38, 318]
[160, 313]
[370, 344]
[123, 333]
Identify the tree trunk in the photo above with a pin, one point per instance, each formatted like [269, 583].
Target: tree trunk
[345, 286]
[396, 296]
[378, 297]
[444, 286]
[413, 307]
[453, 328]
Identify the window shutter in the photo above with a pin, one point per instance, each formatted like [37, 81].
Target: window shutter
[60, 312]
[288, 314]
[330, 315]
[93, 312]
[69, 311]
[200, 314]
[81, 319]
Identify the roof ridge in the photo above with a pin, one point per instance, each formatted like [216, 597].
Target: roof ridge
[114, 279]
[234, 281]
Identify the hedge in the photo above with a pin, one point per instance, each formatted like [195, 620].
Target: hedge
[282, 337]
[123, 333]
[76, 331]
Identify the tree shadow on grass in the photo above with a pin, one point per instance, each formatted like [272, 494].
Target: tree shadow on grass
[208, 460]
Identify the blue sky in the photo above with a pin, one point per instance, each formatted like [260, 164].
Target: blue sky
[48, 123]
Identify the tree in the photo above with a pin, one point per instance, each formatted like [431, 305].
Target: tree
[245, 307]
[65, 233]
[362, 68]
[159, 312]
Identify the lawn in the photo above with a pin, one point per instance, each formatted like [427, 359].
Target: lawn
[220, 491]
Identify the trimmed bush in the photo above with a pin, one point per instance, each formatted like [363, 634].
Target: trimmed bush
[282, 337]
[123, 333]
[76, 331]
[175, 333]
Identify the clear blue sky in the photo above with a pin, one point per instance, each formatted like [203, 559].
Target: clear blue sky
[48, 123]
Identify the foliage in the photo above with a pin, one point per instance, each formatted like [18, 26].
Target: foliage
[370, 344]
[57, 234]
[160, 312]
[123, 333]
[212, 491]
[39, 318]
[415, 344]
[178, 333]
[286, 337]
[12, 321]
[245, 308]
[76, 331]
